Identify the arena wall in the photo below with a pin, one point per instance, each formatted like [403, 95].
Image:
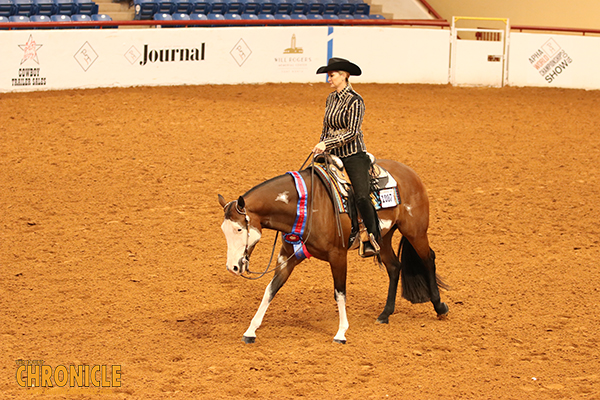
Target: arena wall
[67, 59]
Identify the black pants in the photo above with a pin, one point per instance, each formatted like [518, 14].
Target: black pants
[357, 166]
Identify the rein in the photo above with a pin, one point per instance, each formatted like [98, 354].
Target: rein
[268, 268]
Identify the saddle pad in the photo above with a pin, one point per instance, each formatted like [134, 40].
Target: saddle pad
[385, 197]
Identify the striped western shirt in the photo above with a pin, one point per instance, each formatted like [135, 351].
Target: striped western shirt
[342, 125]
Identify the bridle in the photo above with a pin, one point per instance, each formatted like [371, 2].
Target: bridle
[246, 256]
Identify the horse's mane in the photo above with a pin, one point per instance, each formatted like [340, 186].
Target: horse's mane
[263, 184]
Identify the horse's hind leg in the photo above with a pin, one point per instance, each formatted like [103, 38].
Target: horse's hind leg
[281, 276]
[392, 265]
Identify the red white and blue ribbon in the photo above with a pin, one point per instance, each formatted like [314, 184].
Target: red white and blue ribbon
[295, 237]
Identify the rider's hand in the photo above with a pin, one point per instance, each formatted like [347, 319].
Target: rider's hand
[319, 148]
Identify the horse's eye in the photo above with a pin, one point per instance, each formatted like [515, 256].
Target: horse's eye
[239, 229]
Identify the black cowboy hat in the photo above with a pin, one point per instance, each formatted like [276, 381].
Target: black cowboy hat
[340, 64]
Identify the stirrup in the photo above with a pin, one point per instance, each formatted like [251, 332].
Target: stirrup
[369, 248]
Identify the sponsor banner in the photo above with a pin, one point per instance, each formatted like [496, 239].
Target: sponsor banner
[554, 61]
[86, 58]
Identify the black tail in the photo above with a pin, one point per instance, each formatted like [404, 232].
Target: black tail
[415, 276]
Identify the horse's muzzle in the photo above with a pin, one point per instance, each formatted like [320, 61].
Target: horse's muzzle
[241, 267]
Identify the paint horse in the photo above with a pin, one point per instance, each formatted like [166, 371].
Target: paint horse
[275, 204]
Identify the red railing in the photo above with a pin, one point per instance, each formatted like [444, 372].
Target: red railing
[583, 31]
[431, 10]
[333, 22]
[213, 23]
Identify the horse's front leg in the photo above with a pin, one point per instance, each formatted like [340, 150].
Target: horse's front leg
[338, 270]
[285, 266]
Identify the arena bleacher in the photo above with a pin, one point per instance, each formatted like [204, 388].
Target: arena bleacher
[23, 11]
[37, 11]
[252, 9]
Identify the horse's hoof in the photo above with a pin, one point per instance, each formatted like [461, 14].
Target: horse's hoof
[442, 310]
[339, 341]
[249, 339]
[383, 320]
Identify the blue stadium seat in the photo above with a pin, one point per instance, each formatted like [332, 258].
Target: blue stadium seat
[182, 6]
[298, 16]
[236, 7]
[86, 7]
[331, 7]
[180, 17]
[266, 16]
[39, 18]
[250, 16]
[200, 7]
[61, 18]
[282, 16]
[346, 8]
[45, 7]
[7, 8]
[18, 18]
[314, 16]
[66, 7]
[216, 17]
[330, 16]
[362, 8]
[82, 18]
[269, 7]
[198, 17]
[25, 7]
[252, 7]
[219, 7]
[144, 9]
[165, 6]
[299, 7]
[101, 17]
[345, 16]
[316, 7]
[284, 7]
[3, 20]
[104, 18]
[376, 16]
[162, 17]
[233, 16]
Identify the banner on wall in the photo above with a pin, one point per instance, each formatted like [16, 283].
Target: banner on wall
[554, 61]
[67, 59]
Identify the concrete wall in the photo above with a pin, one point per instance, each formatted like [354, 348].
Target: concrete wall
[553, 13]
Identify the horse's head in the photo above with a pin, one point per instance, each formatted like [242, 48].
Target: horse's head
[240, 234]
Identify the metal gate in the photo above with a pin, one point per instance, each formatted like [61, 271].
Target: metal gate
[478, 56]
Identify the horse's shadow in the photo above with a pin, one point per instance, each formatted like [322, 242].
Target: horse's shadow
[220, 322]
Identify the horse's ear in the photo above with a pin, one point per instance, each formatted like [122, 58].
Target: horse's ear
[241, 203]
[222, 201]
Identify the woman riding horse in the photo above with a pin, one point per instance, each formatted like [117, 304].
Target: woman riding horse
[342, 136]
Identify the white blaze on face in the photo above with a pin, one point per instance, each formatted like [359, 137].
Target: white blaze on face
[237, 238]
[284, 197]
